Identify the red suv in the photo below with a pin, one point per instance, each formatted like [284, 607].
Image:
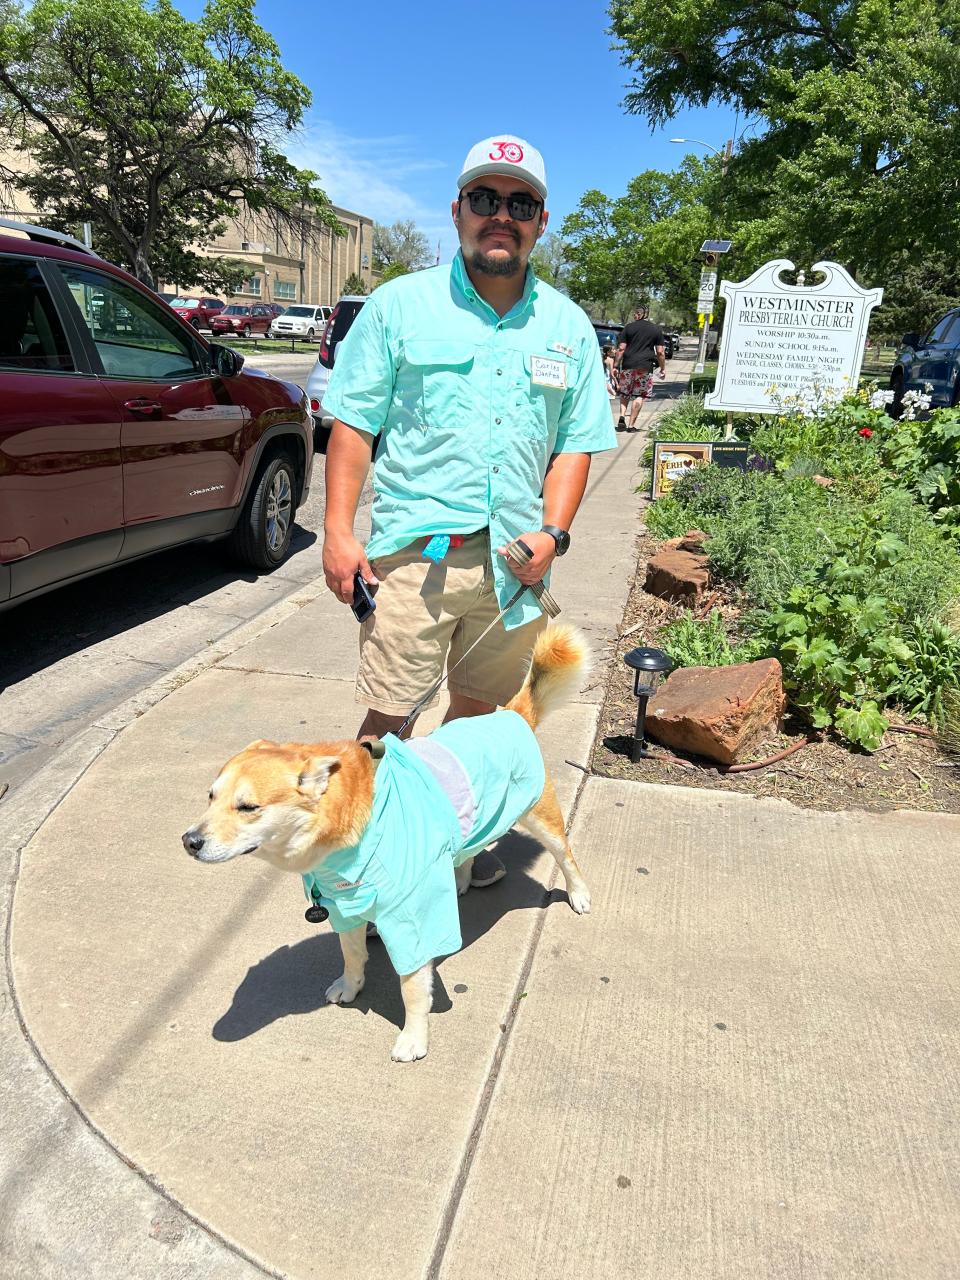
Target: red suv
[123, 432]
[199, 311]
[243, 320]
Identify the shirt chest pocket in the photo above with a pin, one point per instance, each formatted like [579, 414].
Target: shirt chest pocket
[435, 381]
[542, 391]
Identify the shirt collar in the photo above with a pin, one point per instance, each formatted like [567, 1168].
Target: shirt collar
[463, 283]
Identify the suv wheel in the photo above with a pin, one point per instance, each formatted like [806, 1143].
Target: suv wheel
[196, 323]
[311, 333]
[262, 536]
[246, 331]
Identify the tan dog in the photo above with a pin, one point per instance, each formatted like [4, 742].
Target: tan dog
[307, 807]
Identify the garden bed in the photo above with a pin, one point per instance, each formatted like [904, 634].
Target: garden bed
[908, 771]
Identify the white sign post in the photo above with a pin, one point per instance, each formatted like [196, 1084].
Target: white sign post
[780, 339]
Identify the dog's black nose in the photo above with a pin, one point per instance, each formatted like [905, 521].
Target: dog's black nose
[192, 842]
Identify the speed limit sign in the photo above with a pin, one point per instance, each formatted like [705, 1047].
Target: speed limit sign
[708, 291]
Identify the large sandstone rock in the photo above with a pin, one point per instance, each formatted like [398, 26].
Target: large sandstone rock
[719, 712]
[677, 575]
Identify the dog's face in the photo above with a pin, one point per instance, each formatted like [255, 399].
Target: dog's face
[288, 803]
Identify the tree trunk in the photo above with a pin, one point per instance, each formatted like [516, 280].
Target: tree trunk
[142, 269]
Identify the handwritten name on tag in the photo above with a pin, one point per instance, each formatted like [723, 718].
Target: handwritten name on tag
[548, 373]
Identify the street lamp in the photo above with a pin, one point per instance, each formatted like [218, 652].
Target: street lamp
[652, 663]
[724, 155]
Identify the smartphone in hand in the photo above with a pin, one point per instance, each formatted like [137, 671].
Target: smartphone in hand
[363, 601]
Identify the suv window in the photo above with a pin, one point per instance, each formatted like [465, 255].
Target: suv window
[134, 339]
[344, 314]
[938, 331]
[31, 336]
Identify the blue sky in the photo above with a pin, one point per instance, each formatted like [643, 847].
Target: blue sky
[400, 93]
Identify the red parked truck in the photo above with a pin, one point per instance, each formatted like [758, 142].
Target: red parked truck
[123, 432]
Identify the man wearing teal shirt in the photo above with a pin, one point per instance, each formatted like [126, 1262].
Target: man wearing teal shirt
[487, 389]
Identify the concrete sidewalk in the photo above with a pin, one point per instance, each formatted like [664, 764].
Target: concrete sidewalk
[743, 1063]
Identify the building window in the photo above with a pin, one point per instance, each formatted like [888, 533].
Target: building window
[285, 289]
[251, 286]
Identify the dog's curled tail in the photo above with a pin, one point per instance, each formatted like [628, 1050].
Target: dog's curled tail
[559, 662]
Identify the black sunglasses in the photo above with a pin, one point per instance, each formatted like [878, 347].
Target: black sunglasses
[485, 203]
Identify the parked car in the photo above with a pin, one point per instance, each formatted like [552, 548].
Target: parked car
[930, 364]
[301, 321]
[244, 320]
[168, 298]
[341, 318]
[199, 311]
[608, 332]
[275, 308]
[123, 432]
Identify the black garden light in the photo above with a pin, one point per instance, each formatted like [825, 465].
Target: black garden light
[647, 665]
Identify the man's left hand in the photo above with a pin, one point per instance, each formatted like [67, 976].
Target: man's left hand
[544, 552]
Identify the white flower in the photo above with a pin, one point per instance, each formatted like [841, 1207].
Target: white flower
[879, 398]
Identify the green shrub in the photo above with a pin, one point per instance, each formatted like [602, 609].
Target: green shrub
[687, 420]
[925, 455]
[692, 642]
[841, 440]
[926, 680]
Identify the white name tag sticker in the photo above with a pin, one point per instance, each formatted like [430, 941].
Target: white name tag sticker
[548, 373]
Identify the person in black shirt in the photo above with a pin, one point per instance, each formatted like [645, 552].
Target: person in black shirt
[641, 346]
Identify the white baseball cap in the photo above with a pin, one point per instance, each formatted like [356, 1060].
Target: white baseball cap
[506, 154]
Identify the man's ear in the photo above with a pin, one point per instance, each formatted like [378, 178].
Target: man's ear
[315, 774]
[455, 212]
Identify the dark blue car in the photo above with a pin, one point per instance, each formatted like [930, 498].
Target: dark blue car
[930, 364]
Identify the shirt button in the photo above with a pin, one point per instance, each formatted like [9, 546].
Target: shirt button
[496, 470]
[498, 421]
[499, 373]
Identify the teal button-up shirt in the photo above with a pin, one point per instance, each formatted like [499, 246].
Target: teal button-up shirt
[471, 406]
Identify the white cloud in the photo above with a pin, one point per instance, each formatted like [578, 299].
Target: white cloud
[378, 177]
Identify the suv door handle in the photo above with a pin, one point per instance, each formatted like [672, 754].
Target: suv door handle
[143, 408]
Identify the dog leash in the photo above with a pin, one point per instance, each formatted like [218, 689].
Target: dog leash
[520, 553]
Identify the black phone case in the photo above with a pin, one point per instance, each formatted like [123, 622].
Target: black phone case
[363, 602]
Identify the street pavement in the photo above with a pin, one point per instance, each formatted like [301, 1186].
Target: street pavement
[742, 1063]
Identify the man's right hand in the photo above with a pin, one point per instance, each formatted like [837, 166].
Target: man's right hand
[343, 556]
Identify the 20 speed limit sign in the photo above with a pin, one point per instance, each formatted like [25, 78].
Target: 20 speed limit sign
[708, 291]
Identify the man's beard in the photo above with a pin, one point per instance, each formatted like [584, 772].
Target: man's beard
[489, 266]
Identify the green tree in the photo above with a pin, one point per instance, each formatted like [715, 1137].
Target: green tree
[642, 244]
[392, 272]
[354, 285]
[853, 107]
[155, 129]
[400, 243]
[549, 260]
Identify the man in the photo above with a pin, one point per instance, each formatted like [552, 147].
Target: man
[641, 345]
[487, 390]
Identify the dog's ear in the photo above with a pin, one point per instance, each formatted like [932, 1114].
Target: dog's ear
[260, 744]
[315, 774]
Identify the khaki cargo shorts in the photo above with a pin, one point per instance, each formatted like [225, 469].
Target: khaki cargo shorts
[428, 614]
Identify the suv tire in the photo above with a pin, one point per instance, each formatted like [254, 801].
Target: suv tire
[261, 539]
[310, 335]
[196, 323]
[246, 331]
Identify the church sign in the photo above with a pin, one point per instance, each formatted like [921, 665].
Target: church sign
[782, 340]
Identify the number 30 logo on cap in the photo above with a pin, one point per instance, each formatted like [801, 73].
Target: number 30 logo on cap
[507, 151]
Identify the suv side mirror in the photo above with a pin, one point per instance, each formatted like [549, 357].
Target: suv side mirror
[224, 363]
[910, 340]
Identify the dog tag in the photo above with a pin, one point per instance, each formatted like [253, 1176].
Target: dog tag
[316, 914]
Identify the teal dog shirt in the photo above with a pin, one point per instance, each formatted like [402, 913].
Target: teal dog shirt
[436, 802]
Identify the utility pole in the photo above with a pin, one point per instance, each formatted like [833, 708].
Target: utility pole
[710, 258]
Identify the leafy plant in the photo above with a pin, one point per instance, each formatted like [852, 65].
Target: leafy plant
[839, 642]
[925, 454]
[693, 642]
[931, 673]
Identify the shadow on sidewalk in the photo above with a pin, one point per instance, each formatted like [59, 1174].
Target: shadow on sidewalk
[292, 980]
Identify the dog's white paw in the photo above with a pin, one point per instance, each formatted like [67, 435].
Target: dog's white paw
[410, 1045]
[462, 876]
[580, 900]
[343, 990]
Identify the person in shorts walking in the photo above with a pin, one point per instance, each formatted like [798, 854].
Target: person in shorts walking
[487, 390]
[641, 347]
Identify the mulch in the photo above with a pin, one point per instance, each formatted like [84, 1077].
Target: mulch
[908, 771]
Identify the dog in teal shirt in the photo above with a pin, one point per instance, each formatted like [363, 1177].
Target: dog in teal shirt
[384, 841]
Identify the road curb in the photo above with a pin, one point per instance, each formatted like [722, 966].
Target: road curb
[25, 813]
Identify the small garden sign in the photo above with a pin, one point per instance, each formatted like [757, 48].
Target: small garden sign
[673, 459]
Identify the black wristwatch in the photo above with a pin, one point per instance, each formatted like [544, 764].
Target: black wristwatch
[560, 537]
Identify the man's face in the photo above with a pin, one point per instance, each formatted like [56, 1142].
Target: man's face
[497, 245]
